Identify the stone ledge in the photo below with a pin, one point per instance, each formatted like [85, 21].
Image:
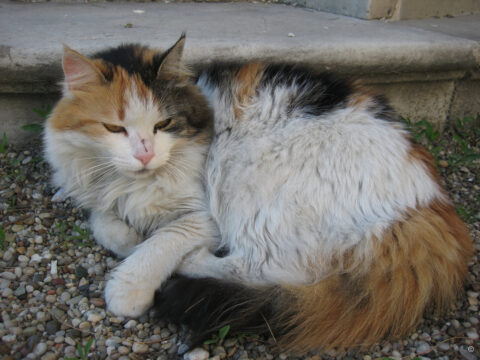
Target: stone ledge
[418, 65]
[392, 9]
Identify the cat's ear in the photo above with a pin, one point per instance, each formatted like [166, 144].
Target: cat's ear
[172, 65]
[79, 70]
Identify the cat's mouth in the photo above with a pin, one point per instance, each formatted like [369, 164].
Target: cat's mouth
[141, 173]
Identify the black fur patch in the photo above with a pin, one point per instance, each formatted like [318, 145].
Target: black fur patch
[128, 56]
[206, 305]
[317, 93]
[220, 74]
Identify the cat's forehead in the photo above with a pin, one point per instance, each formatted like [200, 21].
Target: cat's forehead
[139, 107]
[133, 101]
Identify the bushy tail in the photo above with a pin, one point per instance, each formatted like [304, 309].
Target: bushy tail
[419, 263]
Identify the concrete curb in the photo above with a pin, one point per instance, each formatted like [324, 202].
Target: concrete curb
[421, 64]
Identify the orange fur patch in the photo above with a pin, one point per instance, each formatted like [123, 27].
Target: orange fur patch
[419, 153]
[361, 96]
[98, 103]
[247, 80]
[419, 263]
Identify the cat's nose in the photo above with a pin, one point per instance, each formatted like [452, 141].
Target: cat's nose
[144, 157]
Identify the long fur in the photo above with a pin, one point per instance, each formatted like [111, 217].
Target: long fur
[338, 233]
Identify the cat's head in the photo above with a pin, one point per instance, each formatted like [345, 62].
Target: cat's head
[131, 107]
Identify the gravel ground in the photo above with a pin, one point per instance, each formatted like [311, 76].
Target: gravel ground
[52, 275]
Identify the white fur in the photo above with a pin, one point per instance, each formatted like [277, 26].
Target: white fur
[153, 215]
[289, 192]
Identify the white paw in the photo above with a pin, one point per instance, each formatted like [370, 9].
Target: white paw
[127, 298]
[124, 247]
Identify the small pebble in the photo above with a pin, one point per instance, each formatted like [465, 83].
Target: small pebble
[8, 275]
[196, 354]
[59, 339]
[130, 324]
[139, 348]
[123, 350]
[98, 302]
[52, 327]
[16, 228]
[40, 349]
[444, 346]
[49, 356]
[182, 349]
[456, 323]
[423, 348]
[472, 334]
[9, 338]
[95, 317]
[70, 341]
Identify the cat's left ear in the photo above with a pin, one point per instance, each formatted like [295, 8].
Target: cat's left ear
[172, 65]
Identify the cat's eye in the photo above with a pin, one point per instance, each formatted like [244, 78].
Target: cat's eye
[115, 128]
[162, 125]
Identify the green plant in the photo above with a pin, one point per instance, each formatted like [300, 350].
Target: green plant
[12, 202]
[33, 128]
[464, 130]
[62, 230]
[218, 339]
[467, 155]
[83, 351]
[3, 144]
[83, 236]
[423, 132]
[468, 126]
[469, 213]
[3, 239]
[37, 128]
[43, 112]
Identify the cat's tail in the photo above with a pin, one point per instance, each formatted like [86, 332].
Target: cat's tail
[420, 263]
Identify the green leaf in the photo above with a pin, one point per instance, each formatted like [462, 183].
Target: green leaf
[223, 331]
[3, 242]
[211, 341]
[80, 230]
[33, 128]
[470, 157]
[80, 350]
[88, 346]
[43, 112]
[3, 144]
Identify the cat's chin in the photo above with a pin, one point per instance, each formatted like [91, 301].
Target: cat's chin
[139, 174]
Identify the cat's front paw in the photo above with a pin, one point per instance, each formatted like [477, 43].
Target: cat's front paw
[126, 298]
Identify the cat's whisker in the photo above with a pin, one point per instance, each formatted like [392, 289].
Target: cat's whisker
[98, 169]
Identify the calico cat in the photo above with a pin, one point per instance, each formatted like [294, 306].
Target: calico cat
[336, 231]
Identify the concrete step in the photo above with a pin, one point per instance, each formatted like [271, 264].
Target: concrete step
[428, 68]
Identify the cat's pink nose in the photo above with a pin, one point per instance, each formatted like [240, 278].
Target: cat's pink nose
[144, 157]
